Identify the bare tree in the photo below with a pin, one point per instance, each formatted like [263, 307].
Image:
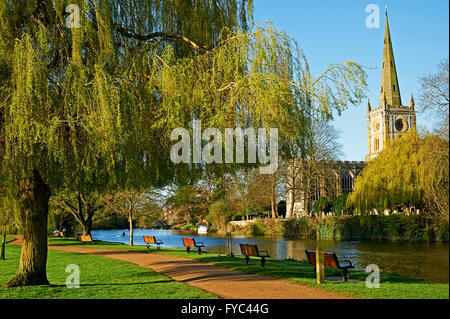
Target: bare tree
[82, 207]
[311, 172]
[129, 203]
[434, 96]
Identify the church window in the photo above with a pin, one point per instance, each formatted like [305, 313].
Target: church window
[394, 87]
[346, 183]
[377, 144]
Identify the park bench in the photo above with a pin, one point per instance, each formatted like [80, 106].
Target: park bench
[190, 242]
[330, 260]
[151, 240]
[86, 238]
[252, 251]
[77, 236]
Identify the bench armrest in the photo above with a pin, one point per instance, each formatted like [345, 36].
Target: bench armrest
[346, 261]
[264, 251]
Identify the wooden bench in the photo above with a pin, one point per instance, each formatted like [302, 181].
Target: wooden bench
[330, 260]
[151, 240]
[77, 236]
[86, 238]
[252, 251]
[190, 242]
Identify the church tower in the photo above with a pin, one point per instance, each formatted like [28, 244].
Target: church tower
[390, 119]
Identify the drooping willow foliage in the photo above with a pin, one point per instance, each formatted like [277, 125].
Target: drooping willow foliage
[411, 172]
[94, 106]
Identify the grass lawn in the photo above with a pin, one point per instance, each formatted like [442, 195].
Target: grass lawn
[109, 278]
[392, 286]
[100, 278]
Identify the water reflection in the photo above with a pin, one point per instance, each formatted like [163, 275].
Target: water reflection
[428, 261]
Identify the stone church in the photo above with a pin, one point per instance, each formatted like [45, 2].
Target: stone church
[385, 123]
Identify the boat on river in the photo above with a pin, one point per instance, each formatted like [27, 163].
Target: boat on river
[202, 229]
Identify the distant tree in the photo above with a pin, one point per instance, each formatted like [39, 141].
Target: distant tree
[149, 214]
[308, 173]
[189, 202]
[322, 205]
[340, 204]
[80, 206]
[435, 96]
[263, 191]
[436, 176]
[129, 203]
[220, 213]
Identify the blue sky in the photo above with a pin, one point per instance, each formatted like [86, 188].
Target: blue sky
[331, 31]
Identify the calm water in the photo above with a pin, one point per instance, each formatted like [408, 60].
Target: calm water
[428, 261]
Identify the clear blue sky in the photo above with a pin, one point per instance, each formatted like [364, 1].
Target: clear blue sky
[331, 31]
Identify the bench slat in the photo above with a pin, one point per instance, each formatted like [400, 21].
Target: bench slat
[86, 238]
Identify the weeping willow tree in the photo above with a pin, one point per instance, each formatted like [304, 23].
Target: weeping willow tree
[408, 173]
[92, 108]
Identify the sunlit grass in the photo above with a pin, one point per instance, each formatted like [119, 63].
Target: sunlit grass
[100, 278]
[107, 278]
[392, 286]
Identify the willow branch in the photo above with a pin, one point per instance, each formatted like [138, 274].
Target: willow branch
[154, 35]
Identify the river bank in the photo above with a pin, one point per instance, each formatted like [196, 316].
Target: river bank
[373, 227]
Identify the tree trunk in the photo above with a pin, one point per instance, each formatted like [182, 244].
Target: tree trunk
[33, 203]
[320, 270]
[86, 229]
[291, 208]
[2, 256]
[320, 267]
[131, 231]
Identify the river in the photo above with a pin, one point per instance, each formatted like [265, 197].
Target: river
[429, 261]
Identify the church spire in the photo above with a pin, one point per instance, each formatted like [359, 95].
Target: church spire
[389, 81]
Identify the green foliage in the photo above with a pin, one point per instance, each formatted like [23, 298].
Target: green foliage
[373, 227]
[95, 106]
[340, 205]
[107, 219]
[399, 177]
[297, 228]
[322, 205]
[220, 213]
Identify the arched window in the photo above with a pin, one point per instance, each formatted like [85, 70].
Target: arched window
[346, 183]
[377, 144]
[394, 87]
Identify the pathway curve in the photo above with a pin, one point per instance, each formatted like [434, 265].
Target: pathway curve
[225, 283]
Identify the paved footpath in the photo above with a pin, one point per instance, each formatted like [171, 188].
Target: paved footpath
[225, 283]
